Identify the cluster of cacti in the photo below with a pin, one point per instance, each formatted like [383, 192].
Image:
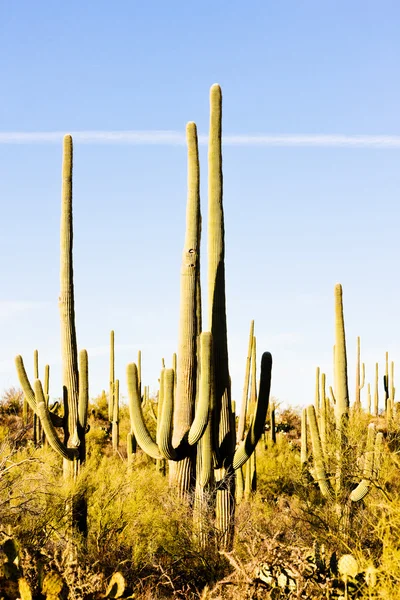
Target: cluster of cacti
[329, 445]
[209, 457]
[196, 428]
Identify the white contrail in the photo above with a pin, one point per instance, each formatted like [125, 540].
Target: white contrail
[177, 138]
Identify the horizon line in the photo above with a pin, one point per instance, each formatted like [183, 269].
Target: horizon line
[176, 138]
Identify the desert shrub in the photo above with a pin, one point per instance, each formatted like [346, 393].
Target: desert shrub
[11, 401]
[98, 407]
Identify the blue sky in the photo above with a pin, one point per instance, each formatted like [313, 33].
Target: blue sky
[300, 216]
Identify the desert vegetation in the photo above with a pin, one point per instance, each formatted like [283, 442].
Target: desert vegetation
[182, 495]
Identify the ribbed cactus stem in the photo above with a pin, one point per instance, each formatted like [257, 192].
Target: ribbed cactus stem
[46, 383]
[139, 367]
[36, 420]
[35, 365]
[251, 476]
[341, 388]
[371, 464]
[246, 447]
[243, 408]
[69, 349]
[163, 447]
[115, 423]
[303, 450]
[206, 382]
[112, 378]
[253, 389]
[320, 473]
[181, 474]
[272, 423]
[68, 454]
[137, 422]
[83, 401]
[216, 277]
[323, 417]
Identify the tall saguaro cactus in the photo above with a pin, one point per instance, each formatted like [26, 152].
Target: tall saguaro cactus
[226, 458]
[182, 472]
[75, 380]
[112, 378]
[193, 369]
[200, 408]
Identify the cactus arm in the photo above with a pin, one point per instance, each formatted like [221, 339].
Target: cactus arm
[51, 434]
[362, 383]
[83, 401]
[202, 409]
[246, 447]
[46, 383]
[57, 421]
[137, 422]
[363, 487]
[164, 442]
[324, 486]
[25, 384]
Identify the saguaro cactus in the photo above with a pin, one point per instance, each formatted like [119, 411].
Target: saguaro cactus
[75, 380]
[224, 438]
[216, 441]
[112, 379]
[115, 422]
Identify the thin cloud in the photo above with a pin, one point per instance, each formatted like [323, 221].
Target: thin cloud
[177, 138]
